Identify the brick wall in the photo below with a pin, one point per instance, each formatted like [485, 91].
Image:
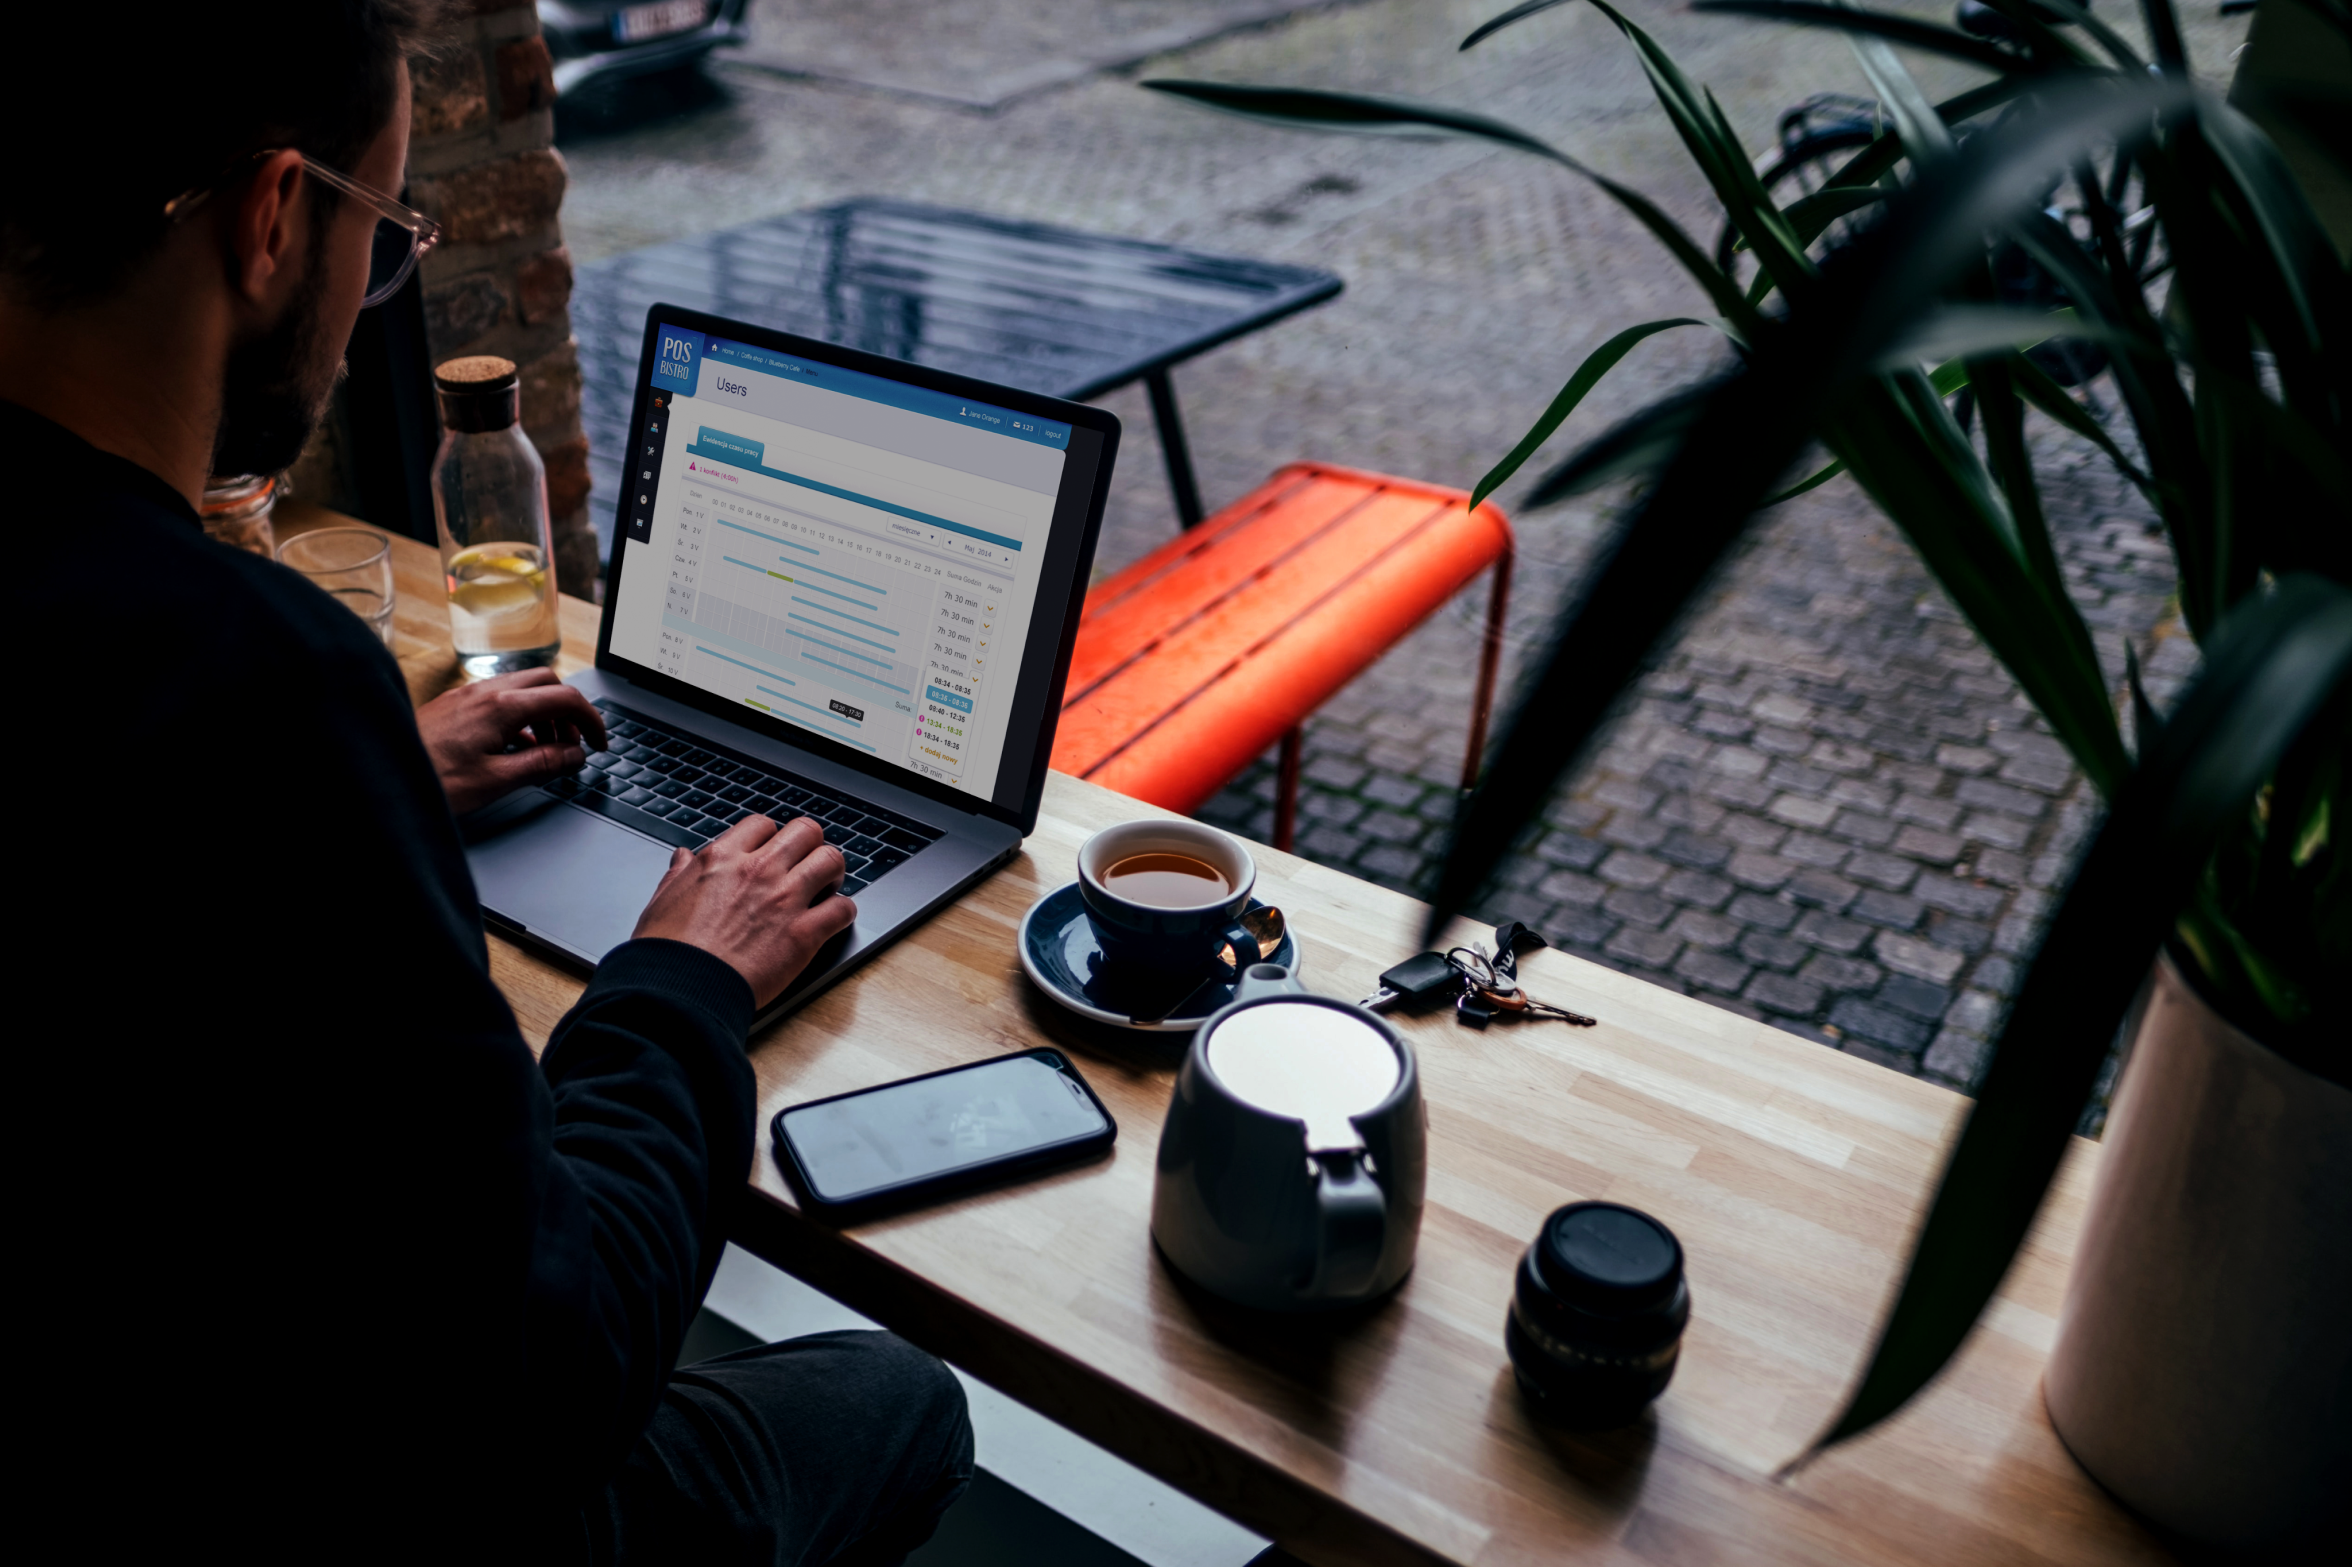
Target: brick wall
[481, 160]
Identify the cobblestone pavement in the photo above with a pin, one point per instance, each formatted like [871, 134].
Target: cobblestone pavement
[1827, 807]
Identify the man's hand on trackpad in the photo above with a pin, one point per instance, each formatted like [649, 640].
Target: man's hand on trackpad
[505, 732]
[758, 896]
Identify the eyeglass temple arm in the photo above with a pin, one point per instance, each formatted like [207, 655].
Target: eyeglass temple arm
[428, 232]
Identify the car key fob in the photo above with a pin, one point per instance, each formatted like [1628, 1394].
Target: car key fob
[1416, 979]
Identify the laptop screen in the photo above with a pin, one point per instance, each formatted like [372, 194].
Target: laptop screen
[854, 556]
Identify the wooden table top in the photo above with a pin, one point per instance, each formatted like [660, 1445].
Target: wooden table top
[1792, 1174]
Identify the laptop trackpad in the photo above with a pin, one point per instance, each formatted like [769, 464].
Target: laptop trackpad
[571, 879]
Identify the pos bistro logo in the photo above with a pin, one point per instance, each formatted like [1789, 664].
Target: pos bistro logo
[674, 358]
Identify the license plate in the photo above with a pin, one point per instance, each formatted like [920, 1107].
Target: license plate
[634, 24]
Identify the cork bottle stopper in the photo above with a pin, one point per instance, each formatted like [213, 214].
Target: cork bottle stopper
[475, 373]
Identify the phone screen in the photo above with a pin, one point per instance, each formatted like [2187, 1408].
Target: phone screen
[865, 1143]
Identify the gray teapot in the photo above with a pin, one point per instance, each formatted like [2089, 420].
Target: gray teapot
[1295, 1152]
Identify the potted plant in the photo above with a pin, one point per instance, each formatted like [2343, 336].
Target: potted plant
[2203, 1363]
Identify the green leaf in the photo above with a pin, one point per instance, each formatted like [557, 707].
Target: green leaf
[2012, 465]
[1517, 13]
[1647, 438]
[1300, 106]
[2145, 719]
[1754, 207]
[1635, 593]
[1720, 157]
[2164, 35]
[2081, 16]
[2180, 480]
[2000, 178]
[2036, 387]
[2293, 253]
[1901, 29]
[1961, 330]
[1926, 139]
[2210, 327]
[2268, 936]
[1815, 482]
[1853, 179]
[2256, 272]
[2269, 669]
[1637, 444]
[1596, 364]
[1883, 154]
[1809, 215]
[1904, 30]
[2294, 438]
[1908, 455]
[1873, 163]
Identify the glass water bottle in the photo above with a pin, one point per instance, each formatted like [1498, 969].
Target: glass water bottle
[490, 500]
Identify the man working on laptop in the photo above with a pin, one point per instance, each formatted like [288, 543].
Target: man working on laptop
[311, 1257]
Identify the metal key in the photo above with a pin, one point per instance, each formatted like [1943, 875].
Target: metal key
[1415, 979]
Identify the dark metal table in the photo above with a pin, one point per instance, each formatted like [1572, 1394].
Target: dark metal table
[1047, 309]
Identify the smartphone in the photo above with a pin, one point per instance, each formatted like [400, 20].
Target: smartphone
[944, 1132]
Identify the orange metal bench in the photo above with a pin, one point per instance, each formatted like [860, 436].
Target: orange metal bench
[1198, 657]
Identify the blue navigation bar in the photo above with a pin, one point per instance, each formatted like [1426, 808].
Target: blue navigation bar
[689, 347]
[738, 452]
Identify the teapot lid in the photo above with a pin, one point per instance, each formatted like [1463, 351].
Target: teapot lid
[1307, 1060]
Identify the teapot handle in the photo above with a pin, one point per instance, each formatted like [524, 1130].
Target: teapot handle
[1351, 1226]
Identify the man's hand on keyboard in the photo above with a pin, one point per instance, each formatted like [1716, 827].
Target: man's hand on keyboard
[758, 896]
[505, 732]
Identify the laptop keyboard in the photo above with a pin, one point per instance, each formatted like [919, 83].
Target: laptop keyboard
[686, 791]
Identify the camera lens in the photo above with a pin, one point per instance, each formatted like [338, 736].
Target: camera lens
[1597, 1315]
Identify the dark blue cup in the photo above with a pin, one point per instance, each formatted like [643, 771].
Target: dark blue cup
[1150, 939]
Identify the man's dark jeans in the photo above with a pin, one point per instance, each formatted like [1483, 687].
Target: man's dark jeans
[837, 1447]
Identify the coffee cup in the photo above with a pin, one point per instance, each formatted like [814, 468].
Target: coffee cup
[1165, 896]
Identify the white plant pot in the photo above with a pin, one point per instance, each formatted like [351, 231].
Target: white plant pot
[2203, 1368]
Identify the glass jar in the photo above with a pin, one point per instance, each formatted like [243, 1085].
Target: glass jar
[490, 502]
[237, 509]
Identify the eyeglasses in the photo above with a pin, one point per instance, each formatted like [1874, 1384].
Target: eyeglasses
[402, 236]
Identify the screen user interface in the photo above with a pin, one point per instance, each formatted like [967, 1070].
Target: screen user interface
[906, 1131]
[853, 555]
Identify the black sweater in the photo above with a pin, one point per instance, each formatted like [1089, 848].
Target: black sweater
[304, 1240]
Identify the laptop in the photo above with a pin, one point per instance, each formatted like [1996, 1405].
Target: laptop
[841, 586]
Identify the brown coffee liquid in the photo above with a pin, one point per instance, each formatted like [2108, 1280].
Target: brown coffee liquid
[1166, 881]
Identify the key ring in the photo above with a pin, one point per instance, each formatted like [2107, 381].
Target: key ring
[1490, 982]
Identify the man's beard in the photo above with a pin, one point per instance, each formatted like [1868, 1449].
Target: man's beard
[276, 388]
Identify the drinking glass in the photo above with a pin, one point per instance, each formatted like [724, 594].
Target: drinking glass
[354, 565]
